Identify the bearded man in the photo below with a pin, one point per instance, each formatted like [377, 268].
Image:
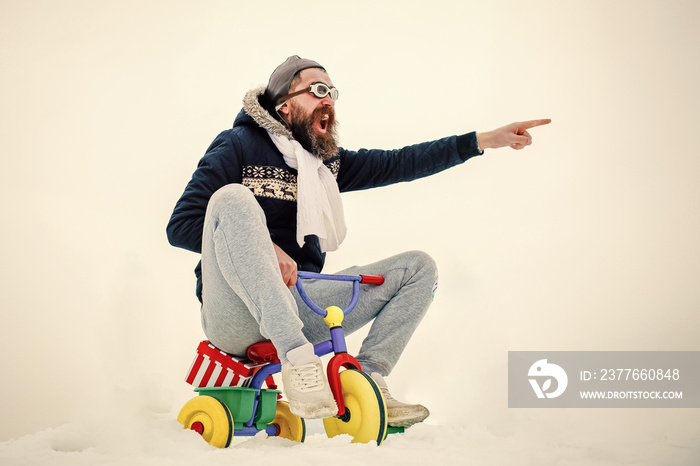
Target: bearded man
[265, 202]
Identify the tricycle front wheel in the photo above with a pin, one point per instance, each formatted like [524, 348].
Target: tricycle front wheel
[365, 411]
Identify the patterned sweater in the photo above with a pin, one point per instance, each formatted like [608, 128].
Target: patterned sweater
[245, 154]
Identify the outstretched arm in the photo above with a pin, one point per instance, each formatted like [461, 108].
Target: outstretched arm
[514, 135]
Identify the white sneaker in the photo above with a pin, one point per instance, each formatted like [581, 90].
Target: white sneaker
[305, 385]
[399, 414]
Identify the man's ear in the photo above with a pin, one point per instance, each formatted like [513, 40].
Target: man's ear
[283, 112]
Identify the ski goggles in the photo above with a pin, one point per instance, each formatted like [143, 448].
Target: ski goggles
[319, 90]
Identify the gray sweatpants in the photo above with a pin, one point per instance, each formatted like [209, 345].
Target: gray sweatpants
[246, 301]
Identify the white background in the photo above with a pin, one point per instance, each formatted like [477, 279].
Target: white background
[586, 240]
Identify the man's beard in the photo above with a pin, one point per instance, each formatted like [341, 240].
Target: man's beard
[322, 145]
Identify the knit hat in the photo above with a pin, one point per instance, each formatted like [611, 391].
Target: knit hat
[281, 78]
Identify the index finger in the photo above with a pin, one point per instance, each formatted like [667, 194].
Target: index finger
[532, 123]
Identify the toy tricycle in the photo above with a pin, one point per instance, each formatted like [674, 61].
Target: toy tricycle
[232, 401]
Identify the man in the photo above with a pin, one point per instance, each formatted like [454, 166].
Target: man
[265, 202]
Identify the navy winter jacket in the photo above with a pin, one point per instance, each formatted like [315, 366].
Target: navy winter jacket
[245, 154]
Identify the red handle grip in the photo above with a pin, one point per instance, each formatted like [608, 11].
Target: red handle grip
[372, 279]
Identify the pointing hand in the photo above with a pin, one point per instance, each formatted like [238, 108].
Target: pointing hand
[514, 135]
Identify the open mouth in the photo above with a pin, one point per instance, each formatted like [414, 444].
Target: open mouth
[323, 122]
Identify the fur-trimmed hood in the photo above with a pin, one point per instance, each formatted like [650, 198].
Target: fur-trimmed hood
[254, 109]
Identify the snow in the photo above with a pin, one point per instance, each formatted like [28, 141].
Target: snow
[156, 439]
[139, 430]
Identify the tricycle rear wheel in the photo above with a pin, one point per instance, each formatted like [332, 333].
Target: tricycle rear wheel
[210, 418]
[288, 425]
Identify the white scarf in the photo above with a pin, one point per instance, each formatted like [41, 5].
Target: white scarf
[319, 207]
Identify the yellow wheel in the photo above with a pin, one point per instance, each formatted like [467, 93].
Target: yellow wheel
[365, 411]
[288, 425]
[210, 418]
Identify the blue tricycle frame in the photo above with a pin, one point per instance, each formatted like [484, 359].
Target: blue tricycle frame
[220, 413]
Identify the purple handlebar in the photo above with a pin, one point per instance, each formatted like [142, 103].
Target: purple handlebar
[355, 279]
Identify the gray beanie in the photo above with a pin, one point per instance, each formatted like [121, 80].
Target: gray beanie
[281, 78]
